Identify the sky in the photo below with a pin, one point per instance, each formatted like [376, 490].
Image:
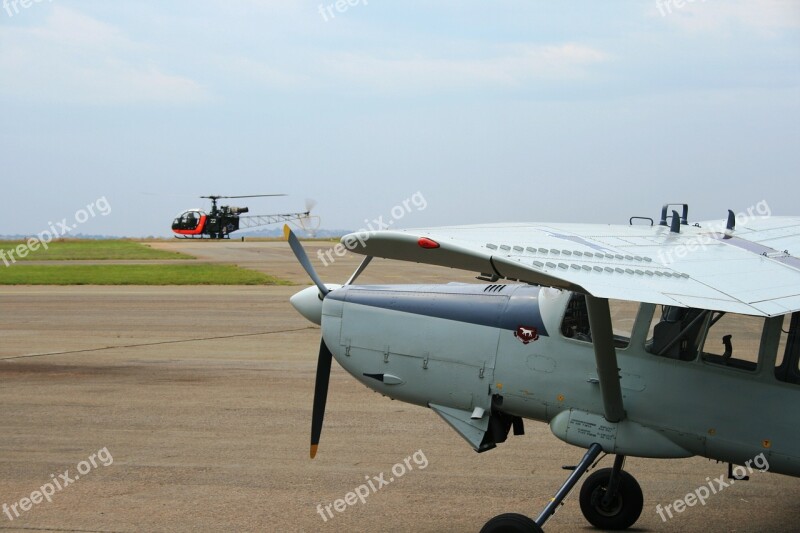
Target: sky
[509, 111]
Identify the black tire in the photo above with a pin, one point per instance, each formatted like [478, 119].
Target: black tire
[511, 523]
[624, 510]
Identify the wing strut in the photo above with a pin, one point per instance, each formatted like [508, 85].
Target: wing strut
[606, 357]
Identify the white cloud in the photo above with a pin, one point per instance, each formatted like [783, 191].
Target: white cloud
[73, 58]
[510, 67]
[766, 17]
[253, 71]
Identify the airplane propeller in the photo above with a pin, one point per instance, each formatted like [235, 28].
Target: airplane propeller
[308, 303]
[300, 254]
[320, 394]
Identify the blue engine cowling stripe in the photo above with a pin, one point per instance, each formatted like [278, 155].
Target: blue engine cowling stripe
[517, 305]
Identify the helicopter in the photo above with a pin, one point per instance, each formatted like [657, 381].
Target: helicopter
[223, 220]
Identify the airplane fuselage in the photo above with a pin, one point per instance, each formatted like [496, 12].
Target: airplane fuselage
[474, 352]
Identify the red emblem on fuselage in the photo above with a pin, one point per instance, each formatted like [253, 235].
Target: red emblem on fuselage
[526, 334]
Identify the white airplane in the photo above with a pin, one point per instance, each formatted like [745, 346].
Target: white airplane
[665, 340]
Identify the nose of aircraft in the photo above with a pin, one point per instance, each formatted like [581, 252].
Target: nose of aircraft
[309, 303]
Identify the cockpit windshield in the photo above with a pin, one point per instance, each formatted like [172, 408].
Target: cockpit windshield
[187, 220]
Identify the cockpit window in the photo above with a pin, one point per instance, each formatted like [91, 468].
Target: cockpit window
[623, 317]
[575, 324]
[788, 364]
[187, 221]
[675, 332]
[733, 340]
[576, 320]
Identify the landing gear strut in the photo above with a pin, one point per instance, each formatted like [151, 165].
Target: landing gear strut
[610, 499]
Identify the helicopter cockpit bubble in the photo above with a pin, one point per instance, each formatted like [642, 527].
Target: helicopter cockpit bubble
[188, 220]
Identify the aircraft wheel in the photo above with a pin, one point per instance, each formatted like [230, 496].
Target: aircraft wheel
[624, 509]
[511, 523]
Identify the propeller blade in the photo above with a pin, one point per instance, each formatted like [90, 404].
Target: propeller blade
[359, 270]
[320, 394]
[300, 253]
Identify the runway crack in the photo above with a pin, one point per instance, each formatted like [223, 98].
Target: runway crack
[158, 343]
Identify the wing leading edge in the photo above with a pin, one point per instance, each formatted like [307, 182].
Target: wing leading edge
[754, 269]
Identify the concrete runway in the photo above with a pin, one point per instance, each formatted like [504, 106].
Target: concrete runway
[202, 398]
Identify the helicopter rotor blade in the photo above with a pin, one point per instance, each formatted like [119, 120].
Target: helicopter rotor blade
[244, 196]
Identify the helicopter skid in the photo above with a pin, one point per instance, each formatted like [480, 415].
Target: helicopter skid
[202, 237]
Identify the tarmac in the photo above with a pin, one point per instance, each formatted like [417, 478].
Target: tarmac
[189, 409]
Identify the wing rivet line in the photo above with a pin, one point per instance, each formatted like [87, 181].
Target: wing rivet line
[611, 270]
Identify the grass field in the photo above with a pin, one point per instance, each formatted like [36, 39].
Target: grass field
[62, 250]
[180, 274]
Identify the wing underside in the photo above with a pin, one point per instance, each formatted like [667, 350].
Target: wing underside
[752, 270]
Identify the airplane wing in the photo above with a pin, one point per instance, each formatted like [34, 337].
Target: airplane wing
[753, 269]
